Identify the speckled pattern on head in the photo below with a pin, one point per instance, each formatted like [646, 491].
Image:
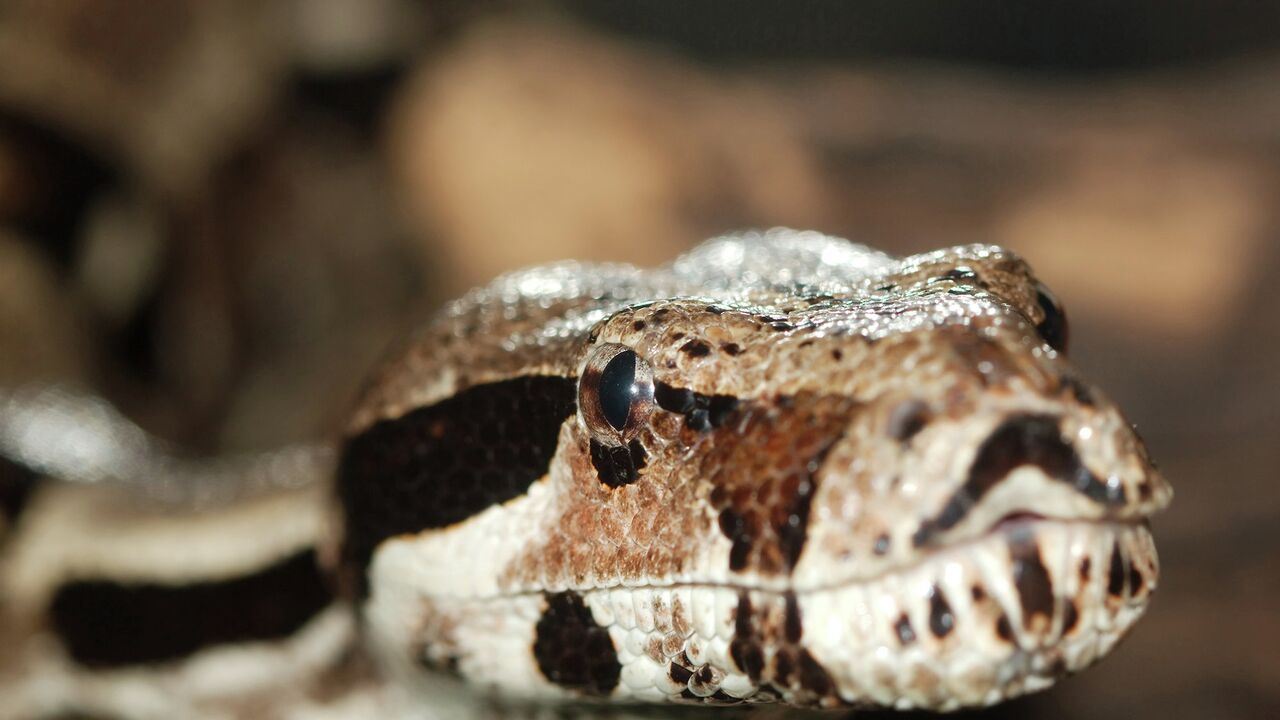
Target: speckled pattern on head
[833, 477]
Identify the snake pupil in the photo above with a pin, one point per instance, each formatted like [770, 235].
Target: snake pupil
[618, 389]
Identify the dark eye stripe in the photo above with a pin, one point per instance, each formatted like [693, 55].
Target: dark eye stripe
[441, 464]
[108, 624]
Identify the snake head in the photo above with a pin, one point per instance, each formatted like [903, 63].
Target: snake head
[783, 468]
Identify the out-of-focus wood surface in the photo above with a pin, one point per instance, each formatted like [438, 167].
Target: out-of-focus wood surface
[220, 214]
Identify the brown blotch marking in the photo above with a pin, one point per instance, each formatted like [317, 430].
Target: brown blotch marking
[813, 676]
[654, 649]
[1115, 574]
[784, 665]
[1070, 616]
[907, 419]
[941, 619]
[793, 628]
[764, 475]
[978, 593]
[696, 348]
[1035, 587]
[731, 348]
[837, 354]
[1085, 565]
[745, 647]
[1003, 630]
[1145, 489]
[638, 325]
[990, 362]
[906, 634]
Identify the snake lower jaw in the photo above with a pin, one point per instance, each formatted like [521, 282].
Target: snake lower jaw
[1008, 613]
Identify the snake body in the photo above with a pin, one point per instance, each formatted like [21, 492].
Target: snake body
[782, 469]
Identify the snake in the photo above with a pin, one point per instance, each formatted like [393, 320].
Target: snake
[784, 469]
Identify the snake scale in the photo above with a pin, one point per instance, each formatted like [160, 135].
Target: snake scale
[784, 469]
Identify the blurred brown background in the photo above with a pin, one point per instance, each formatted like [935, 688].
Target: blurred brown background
[218, 214]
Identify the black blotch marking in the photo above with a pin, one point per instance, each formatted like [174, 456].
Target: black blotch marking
[679, 674]
[1035, 588]
[674, 399]
[660, 314]
[1054, 327]
[782, 326]
[907, 419]
[793, 628]
[745, 647]
[813, 676]
[438, 465]
[677, 336]
[978, 593]
[793, 534]
[1058, 668]
[724, 697]
[1021, 440]
[16, 484]
[1004, 631]
[572, 650]
[618, 465]
[882, 544]
[941, 619]
[732, 348]
[906, 633]
[1079, 390]
[1070, 616]
[696, 348]
[1115, 574]
[734, 526]
[638, 325]
[108, 624]
[960, 273]
[701, 412]
[716, 310]
[837, 354]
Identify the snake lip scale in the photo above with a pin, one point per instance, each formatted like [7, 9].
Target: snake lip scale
[783, 468]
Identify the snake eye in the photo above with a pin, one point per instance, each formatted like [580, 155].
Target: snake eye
[615, 392]
[1053, 328]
